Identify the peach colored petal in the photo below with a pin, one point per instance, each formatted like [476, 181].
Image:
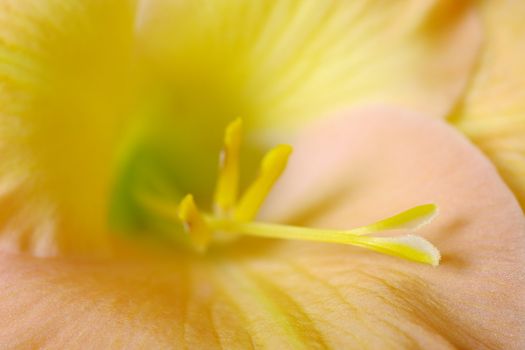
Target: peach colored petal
[359, 167]
[284, 295]
[492, 113]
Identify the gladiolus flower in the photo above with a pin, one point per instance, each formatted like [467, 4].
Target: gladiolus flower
[117, 231]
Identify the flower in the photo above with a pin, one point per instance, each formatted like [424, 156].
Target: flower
[105, 101]
[120, 94]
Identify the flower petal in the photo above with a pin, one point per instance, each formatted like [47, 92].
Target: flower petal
[492, 113]
[65, 91]
[283, 61]
[261, 293]
[377, 160]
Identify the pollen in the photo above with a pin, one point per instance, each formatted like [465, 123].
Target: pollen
[235, 215]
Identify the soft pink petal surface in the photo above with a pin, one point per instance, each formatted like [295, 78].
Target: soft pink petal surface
[360, 167]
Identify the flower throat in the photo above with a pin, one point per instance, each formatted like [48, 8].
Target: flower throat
[234, 214]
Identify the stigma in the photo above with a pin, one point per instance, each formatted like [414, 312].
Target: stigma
[235, 214]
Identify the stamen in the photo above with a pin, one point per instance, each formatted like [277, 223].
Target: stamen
[272, 166]
[231, 218]
[228, 180]
[411, 219]
[408, 247]
[194, 223]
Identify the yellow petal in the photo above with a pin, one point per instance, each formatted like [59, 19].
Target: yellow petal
[492, 113]
[280, 62]
[66, 91]
[279, 295]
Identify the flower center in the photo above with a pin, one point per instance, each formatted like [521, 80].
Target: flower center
[234, 215]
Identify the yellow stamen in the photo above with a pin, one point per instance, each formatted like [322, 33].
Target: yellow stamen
[231, 218]
[408, 247]
[272, 166]
[228, 180]
[194, 223]
[410, 219]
